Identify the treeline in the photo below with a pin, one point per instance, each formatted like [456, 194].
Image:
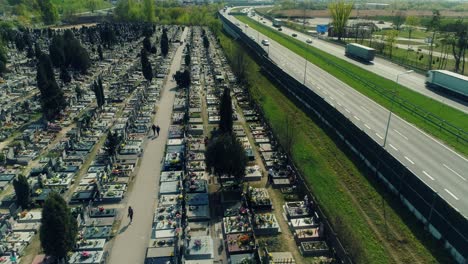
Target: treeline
[50, 11]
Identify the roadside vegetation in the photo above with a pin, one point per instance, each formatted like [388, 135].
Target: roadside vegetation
[352, 202]
[451, 115]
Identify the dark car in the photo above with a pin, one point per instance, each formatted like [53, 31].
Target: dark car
[294, 34]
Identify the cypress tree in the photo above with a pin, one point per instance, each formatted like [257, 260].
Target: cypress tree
[164, 43]
[58, 228]
[146, 66]
[225, 112]
[22, 191]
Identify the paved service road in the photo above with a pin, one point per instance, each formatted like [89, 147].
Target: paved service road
[438, 166]
[380, 66]
[131, 242]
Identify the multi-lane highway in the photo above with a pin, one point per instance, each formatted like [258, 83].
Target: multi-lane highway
[444, 170]
[380, 66]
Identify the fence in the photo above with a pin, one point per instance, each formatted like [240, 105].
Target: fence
[440, 218]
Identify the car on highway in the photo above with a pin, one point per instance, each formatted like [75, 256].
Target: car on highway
[309, 41]
[294, 34]
[266, 42]
[280, 29]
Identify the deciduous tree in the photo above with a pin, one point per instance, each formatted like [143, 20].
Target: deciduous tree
[340, 12]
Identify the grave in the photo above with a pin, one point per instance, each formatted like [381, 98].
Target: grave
[314, 248]
[168, 176]
[301, 223]
[29, 217]
[173, 161]
[175, 142]
[172, 187]
[240, 243]
[198, 213]
[253, 173]
[112, 196]
[195, 129]
[90, 245]
[97, 232]
[87, 257]
[236, 224]
[198, 165]
[282, 257]
[196, 186]
[19, 237]
[175, 131]
[170, 199]
[265, 224]
[248, 258]
[307, 234]
[102, 212]
[199, 247]
[281, 183]
[192, 156]
[296, 210]
[164, 233]
[259, 199]
[197, 199]
[26, 227]
[160, 255]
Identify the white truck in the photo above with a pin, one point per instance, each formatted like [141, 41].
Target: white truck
[448, 81]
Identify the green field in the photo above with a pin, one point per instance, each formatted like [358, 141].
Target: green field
[451, 115]
[351, 201]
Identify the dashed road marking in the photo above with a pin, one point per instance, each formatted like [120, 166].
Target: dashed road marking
[453, 195]
[367, 110]
[393, 147]
[379, 135]
[367, 126]
[398, 132]
[357, 118]
[427, 174]
[456, 173]
[346, 109]
[408, 159]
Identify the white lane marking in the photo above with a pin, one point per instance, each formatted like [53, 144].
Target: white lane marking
[340, 92]
[398, 132]
[340, 104]
[408, 159]
[319, 87]
[332, 105]
[453, 195]
[357, 118]
[427, 174]
[379, 135]
[365, 109]
[346, 109]
[331, 97]
[393, 147]
[367, 126]
[456, 173]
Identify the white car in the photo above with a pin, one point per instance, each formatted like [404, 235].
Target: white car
[309, 41]
[265, 42]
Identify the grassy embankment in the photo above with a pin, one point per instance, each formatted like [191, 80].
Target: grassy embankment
[351, 201]
[451, 115]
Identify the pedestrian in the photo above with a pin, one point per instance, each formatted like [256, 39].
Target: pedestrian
[158, 129]
[130, 213]
[154, 129]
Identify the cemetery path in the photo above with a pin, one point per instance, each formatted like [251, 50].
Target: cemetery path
[130, 245]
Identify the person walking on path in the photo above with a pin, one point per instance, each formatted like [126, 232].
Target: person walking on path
[158, 129]
[154, 130]
[130, 213]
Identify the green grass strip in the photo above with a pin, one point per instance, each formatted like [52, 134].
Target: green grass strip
[451, 115]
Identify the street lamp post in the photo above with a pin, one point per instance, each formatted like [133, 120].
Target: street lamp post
[391, 107]
[305, 70]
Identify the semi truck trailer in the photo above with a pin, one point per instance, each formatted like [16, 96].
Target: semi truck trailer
[454, 83]
[360, 52]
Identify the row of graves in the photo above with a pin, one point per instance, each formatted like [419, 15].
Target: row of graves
[303, 221]
[108, 177]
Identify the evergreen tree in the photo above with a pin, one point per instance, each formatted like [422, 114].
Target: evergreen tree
[187, 59]
[112, 143]
[164, 43]
[97, 93]
[3, 58]
[101, 57]
[52, 98]
[147, 44]
[57, 51]
[58, 229]
[206, 42]
[64, 75]
[37, 50]
[22, 191]
[225, 112]
[225, 155]
[183, 79]
[101, 91]
[146, 66]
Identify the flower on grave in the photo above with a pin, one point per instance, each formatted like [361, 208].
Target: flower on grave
[197, 243]
[101, 209]
[38, 191]
[85, 254]
[178, 215]
[181, 196]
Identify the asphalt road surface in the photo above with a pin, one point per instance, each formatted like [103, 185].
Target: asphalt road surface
[441, 168]
[380, 66]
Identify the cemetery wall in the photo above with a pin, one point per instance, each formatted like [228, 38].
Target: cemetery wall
[440, 218]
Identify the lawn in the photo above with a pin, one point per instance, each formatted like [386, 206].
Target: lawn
[350, 200]
[447, 113]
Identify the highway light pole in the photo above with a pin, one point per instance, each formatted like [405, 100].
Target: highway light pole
[305, 70]
[391, 107]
